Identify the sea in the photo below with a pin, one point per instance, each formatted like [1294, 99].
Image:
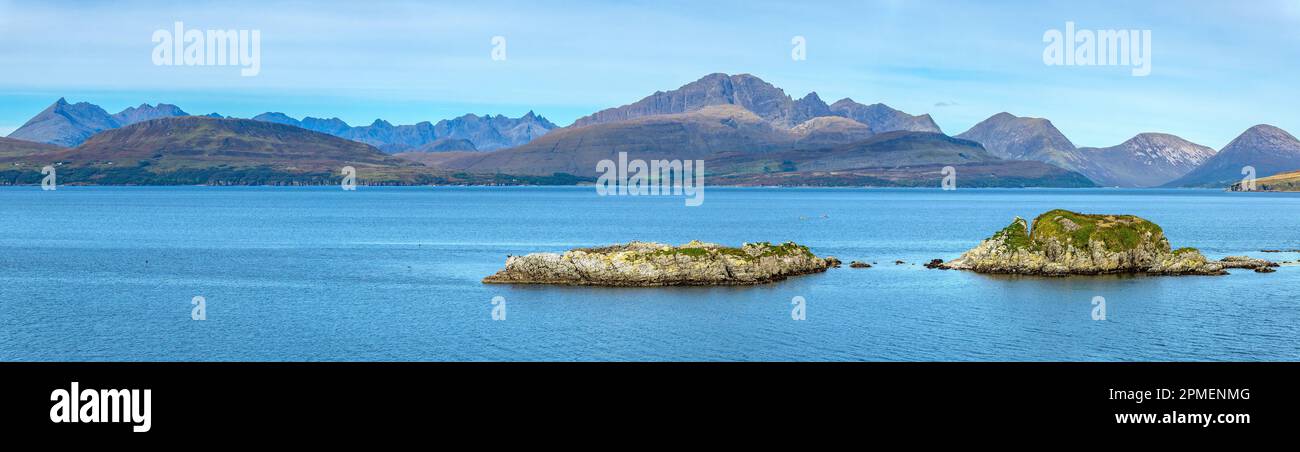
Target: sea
[394, 274]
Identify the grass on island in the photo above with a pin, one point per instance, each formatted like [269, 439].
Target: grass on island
[1116, 232]
[766, 249]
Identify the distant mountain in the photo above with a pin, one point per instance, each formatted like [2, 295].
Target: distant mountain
[147, 112]
[740, 147]
[1011, 137]
[881, 118]
[717, 115]
[65, 124]
[764, 100]
[1146, 160]
[897, 158]
[12, 147]
[201, 141]
[390, 138]
[279, 118]
[495, 132]
[746, 91]
[332, 126]
[447, 145]
[1268, 149]
[749, 131]
[69, 125]
[576, 150]
[485, 132]
[215, 151]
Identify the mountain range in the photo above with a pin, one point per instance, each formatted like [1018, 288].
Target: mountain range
[65, 124]
[465, 133]
[69, 125]
[219, 151]
[1146, 160]
[763, 100]
[1267, 149]
[687, 122]
[749, 131]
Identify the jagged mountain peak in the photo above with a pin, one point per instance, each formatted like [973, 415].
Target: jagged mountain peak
[763, 99]
[145, 112]
[65, 124]
[883, 118]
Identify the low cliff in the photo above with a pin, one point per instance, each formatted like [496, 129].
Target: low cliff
[1068, 243]
[644, 264]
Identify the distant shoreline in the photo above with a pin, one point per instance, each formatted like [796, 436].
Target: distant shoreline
[591, 186]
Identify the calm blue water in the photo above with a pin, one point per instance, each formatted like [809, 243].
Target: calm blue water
[393, 274]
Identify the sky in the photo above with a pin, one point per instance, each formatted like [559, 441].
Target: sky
[1217, 68]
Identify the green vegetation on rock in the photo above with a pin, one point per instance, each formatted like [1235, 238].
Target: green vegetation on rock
[1062, 242]
[1015, 235]
[1117, 232]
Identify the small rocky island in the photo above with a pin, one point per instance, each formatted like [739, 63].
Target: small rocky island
[646, 264]
[1062, 243]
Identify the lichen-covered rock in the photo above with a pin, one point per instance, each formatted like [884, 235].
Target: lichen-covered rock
[1068, 243]
[644, 264]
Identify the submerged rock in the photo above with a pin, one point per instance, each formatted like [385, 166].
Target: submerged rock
[1245, 262]
[1062, 242]
[859, 264]
[644, 264]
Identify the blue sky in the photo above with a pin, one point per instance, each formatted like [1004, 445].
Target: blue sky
[1217, 67]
